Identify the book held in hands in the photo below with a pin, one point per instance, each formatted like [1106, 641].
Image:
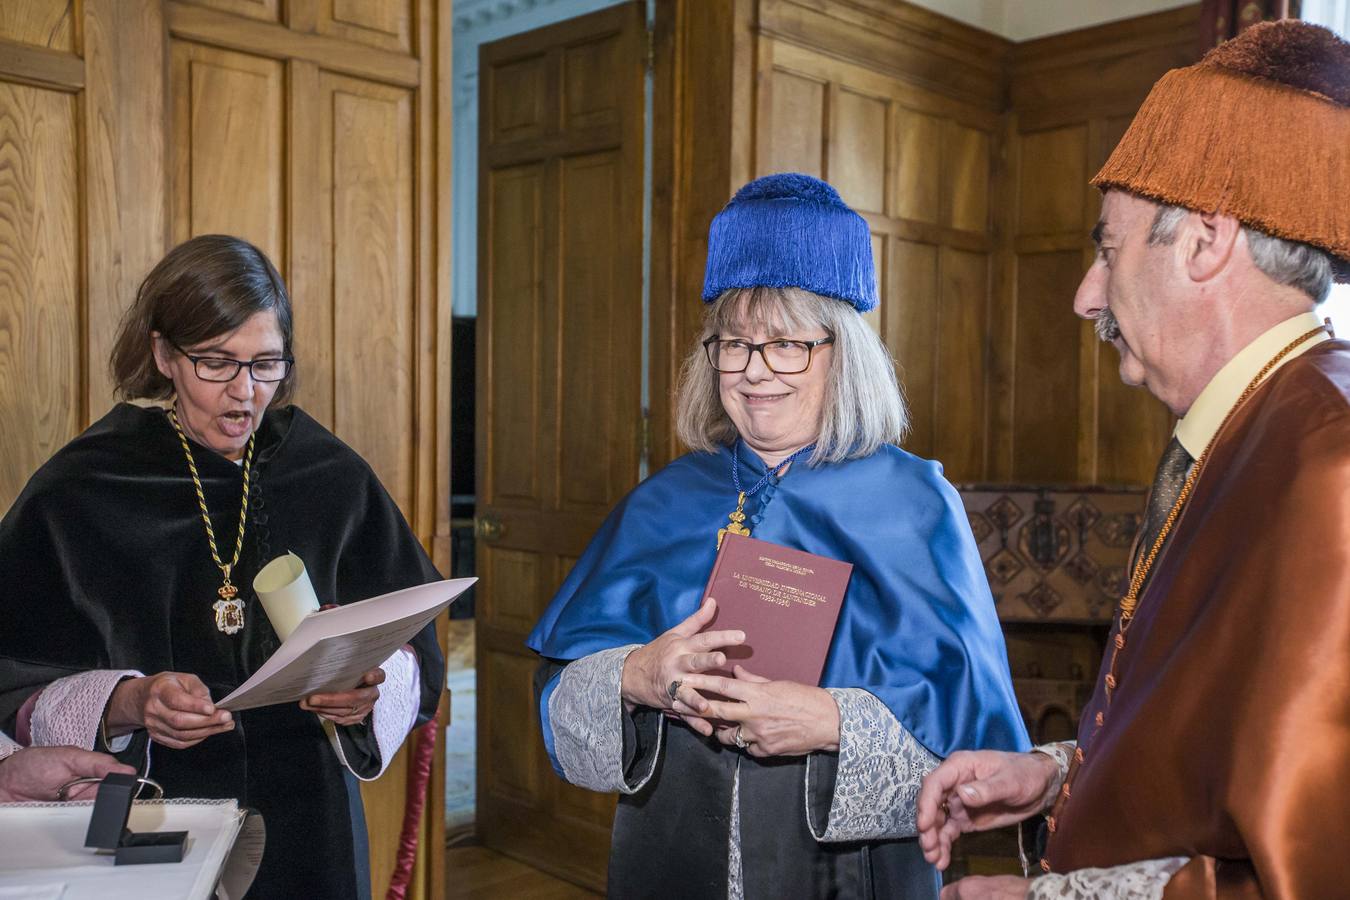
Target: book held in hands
[786, 601]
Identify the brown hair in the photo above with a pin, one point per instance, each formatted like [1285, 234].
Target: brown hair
[205, 287]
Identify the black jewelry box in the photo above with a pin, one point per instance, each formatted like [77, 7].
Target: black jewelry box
[108, 827]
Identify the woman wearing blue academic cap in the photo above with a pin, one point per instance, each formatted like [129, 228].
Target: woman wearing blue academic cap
[790, 406]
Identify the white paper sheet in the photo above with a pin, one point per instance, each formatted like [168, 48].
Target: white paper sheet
[331, 649]
[42, 852]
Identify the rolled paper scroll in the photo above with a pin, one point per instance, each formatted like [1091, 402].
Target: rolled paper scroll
[284, 588]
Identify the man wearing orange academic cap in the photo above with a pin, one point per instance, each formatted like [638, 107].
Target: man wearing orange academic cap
[1214, 757]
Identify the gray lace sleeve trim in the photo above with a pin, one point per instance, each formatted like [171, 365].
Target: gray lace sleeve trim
[586, 714]
[1144, 880]
[881, 767]
[1062, 754]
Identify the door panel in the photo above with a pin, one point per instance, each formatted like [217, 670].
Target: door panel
[228, 132]
[371, 182]
[40, 352]
[560, 188]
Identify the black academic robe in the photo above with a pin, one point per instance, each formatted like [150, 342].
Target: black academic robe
[104, 564]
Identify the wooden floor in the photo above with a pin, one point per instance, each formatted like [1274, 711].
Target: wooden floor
[477, 873]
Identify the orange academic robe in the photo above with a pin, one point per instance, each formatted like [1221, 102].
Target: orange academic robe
[1227, 737]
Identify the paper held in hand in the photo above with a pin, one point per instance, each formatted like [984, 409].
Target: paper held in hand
[331, 649]
[786, 601]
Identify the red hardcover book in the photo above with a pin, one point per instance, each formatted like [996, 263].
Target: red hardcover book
[786, 601]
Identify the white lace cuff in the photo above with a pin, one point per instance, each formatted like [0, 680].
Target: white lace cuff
[1143, 880]
[395, 710]
[881, 767]
[1062, 754]
[7, 747]
[70, 709]
[585, 712]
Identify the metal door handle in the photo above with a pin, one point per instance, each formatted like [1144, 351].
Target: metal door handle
[487, 527]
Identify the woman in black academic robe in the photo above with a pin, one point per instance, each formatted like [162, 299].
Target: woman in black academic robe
[116, 620]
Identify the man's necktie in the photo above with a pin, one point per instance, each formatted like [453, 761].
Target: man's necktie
[1167, 483]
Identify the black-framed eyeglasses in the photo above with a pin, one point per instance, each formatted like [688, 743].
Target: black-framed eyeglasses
[223, 369]
[782, 356]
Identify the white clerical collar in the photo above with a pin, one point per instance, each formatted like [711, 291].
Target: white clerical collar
[1201, 422]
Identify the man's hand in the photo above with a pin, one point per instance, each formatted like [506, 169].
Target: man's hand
[35, 773]
[174, 707]
[995, 887]
[979, 790]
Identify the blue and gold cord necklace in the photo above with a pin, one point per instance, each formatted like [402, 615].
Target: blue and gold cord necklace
[737, 523]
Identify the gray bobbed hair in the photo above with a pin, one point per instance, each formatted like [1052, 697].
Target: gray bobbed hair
[863, 407]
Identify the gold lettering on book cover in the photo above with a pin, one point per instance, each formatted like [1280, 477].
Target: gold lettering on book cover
[786, 566]
[777, 593]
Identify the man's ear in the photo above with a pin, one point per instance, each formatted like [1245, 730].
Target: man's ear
[161, 349]
[1209, 242]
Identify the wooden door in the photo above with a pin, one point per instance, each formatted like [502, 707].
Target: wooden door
[559, 338]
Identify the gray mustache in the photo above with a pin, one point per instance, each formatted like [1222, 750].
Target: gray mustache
[1104, 323]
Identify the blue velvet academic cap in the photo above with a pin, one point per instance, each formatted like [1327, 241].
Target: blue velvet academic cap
[790, 230]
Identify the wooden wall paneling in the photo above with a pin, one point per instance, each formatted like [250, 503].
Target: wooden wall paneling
[965, 177]
[437, 122]
[796, 105]
[960, 370]
[1072, 96]
[910, 318]
[1053, 181]
[918, 164]
[1005, 199]
[309, 220]
[1098, 72]
[228, 132]
[858, 140]
[1046, 373]
[22, 63]
[262, 10]
[125, 160]
[435, 100]
[703, 135]
[50, 24]
[210, 26]
[897, 40]
[374, 282]
[41, 353]
[385, 24]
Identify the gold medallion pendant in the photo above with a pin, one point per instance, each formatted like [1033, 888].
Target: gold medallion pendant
[229, 610]
[737, 523]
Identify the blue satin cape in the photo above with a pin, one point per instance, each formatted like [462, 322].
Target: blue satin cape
[917, 628]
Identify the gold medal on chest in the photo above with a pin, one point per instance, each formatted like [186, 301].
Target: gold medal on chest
[737, 523]
[229, 610]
